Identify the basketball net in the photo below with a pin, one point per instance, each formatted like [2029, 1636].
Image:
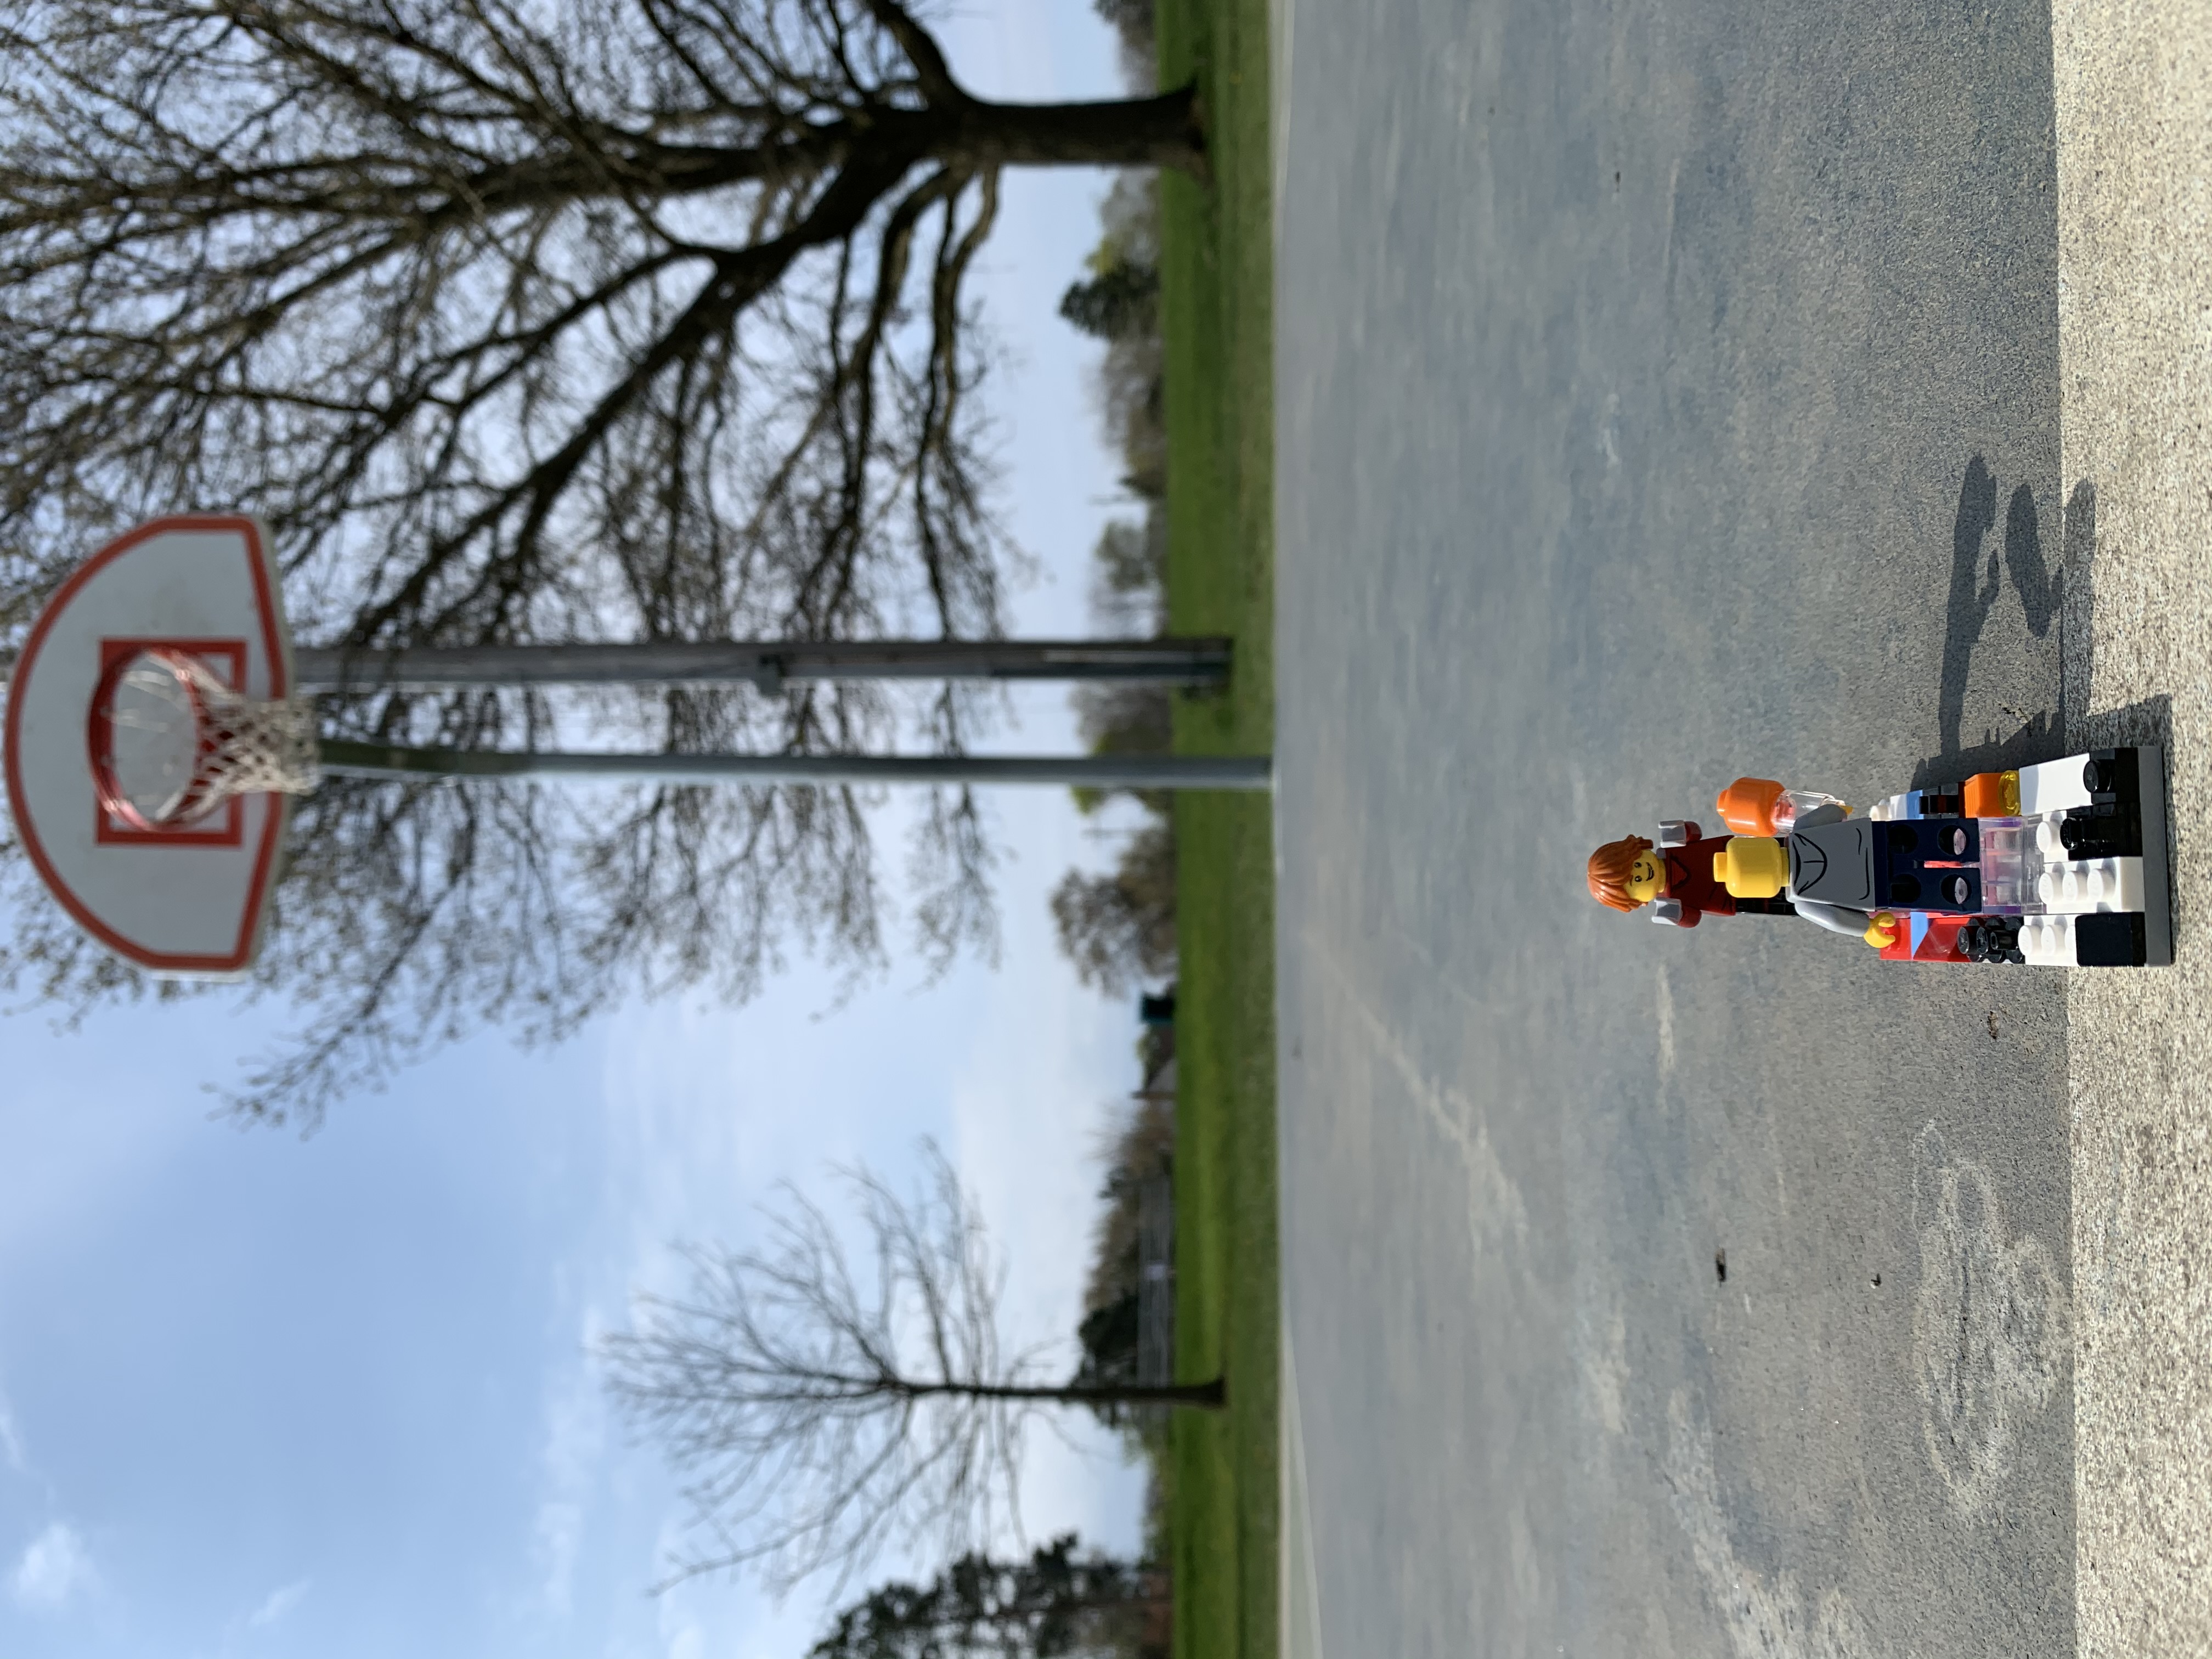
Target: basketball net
[170, 742]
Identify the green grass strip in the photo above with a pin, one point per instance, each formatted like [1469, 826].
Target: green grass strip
[1217, 303]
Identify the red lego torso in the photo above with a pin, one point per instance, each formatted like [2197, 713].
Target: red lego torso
[1690, 879]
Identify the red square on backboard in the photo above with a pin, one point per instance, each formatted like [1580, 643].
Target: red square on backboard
[226, 825]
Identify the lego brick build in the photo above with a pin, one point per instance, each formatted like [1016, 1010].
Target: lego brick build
[2062, 864]
[1106, 828]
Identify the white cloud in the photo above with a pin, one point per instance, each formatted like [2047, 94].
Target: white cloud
[280, 1601]
[560, 1539]
[573, 1457]
[54, 1568]
[11, 1443]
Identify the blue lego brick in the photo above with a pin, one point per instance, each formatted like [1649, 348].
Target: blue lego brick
[1929, 863]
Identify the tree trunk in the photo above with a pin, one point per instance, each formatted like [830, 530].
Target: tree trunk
[1164, 131]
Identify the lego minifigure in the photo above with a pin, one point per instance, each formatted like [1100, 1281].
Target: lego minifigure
[1693, 875]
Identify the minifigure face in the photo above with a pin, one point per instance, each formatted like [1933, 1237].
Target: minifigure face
[1647, 878]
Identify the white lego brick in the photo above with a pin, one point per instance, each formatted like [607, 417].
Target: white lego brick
[2052, 786]
[2088, 885]
[2047, 941]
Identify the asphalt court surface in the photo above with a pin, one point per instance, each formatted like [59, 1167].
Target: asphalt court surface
[1664, 393]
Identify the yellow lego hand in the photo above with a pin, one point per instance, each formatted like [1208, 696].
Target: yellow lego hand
[1881, 932]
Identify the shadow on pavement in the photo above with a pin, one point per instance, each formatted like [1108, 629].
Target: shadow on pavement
[1974, 589]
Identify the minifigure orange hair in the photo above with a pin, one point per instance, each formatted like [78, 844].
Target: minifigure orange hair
[1609, 873]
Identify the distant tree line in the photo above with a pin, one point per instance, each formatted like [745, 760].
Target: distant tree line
[1118, 925]
[1057, 1603]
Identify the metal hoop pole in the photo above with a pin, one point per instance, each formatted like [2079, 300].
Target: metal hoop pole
[767, 664]
[1235, 772]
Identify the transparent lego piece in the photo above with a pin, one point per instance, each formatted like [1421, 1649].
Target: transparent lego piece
[2012, 864]
[1793, 805]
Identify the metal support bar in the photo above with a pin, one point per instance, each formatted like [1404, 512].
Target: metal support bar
[1241, 772]
[764, 663]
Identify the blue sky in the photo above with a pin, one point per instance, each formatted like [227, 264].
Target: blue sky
[262, 1395]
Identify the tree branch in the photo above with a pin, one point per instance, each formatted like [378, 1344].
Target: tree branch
[930, 69]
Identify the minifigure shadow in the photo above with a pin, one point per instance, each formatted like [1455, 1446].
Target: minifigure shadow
[2151, 719]
[2062, 598]
[1976, 581]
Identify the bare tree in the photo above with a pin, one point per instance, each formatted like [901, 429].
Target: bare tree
[819, 1414]
[523, 320]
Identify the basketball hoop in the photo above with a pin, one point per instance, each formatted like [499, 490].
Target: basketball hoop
[171, 741]
[155, 737]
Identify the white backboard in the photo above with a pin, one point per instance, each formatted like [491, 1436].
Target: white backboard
[190, 901]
